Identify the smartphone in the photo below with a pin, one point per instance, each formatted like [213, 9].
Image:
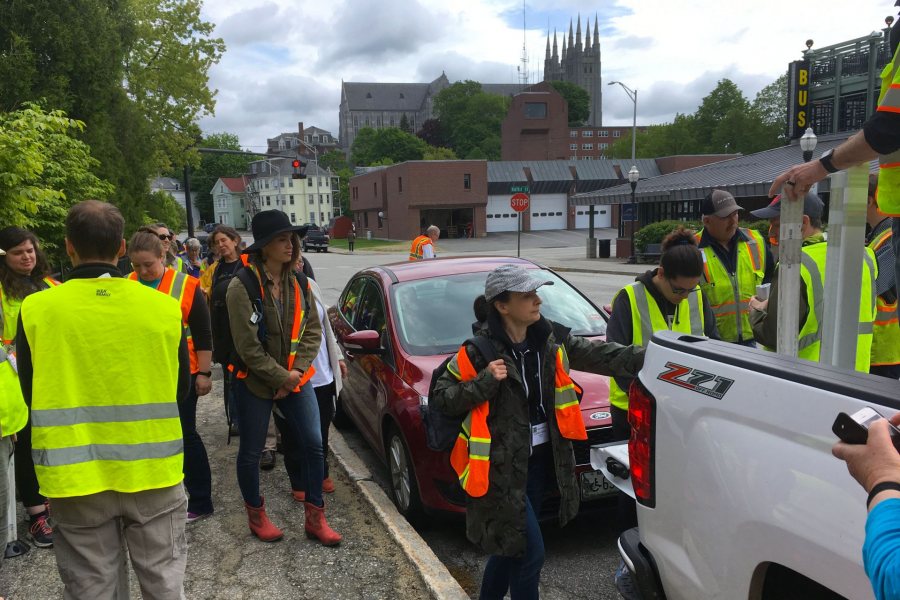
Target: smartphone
[854, 429]
[762, 291]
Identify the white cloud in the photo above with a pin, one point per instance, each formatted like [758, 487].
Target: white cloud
[286, 58]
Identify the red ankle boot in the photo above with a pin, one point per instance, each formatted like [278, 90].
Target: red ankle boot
[317, 526]
[260, 525]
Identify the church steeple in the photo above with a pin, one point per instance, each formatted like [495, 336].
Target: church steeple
[571, 37]
[578, 33]
[547, 54]
[555, 49]
[596, 33]
[564, 51]
[587, 34]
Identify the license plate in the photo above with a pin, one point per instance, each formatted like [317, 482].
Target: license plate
[594, 485]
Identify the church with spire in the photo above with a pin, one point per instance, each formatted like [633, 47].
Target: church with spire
[578, 63]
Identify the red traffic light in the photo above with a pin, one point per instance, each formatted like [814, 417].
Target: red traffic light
[296, 164]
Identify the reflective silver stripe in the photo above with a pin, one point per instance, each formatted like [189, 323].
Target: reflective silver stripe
[889, 159]
[866, 329]
[640, 297]
[479, 448]
[57, 457]
[818, 308]
[884, 318]
[119, 413]
[892, 97]
[178, 285]
[696, 319]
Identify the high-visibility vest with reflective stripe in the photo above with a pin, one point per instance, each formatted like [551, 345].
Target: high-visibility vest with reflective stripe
[812, 274]
[417, 250]
[888, 194]
[297, 328]
[729, 294]
[104, 411]
[10, 314]
[646, 317]
[886, 329]
[471, 454]
[13, 411]
[183, 288]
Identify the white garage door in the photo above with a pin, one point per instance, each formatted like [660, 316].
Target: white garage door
[602, 217]
[548, 211]
[500, 217]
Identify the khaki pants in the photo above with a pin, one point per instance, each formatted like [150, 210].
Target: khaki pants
[92, 533]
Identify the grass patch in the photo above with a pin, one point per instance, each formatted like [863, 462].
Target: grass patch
[364, 244]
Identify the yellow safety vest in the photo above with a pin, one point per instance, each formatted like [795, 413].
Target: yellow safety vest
[104, 413]
[646, 317]
[888, 195]
[729, 295]
[13, 411]
[886, 329]
[10, 313]
[812, 273]
[417, 249]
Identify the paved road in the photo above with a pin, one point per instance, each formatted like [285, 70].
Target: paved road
[581, 557]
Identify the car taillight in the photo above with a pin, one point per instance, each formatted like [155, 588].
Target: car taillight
[642, 418]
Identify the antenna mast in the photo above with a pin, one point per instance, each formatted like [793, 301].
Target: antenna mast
[523, 70]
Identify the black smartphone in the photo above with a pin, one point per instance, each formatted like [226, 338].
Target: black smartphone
[854, 429]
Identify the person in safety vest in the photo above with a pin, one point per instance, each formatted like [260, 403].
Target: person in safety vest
[13, 417]
[147, 257]
[764, 313]
[522, 413]
[24, 270]
[422, 247]
[102, 363]
[277, 373]
[735, 261]
[193, 263]
[167, 238]
[886, 329]
[879, 138]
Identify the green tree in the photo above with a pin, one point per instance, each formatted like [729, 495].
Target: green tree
[724, 102]
[471, 119]
[439, 153]
[579, 101]
[214, 166]
[162, 208]
[44, 170]
[336, 162]
[374, 146]
[771, 103]
[404, 124]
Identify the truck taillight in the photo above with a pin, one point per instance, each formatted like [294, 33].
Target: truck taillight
[642, 418]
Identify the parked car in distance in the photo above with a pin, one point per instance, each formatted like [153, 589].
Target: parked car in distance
[396, 323]
[208, 228]
[315, 238]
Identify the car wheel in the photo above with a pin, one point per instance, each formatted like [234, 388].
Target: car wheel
[404, 489]
[303, 247]
[341, 419]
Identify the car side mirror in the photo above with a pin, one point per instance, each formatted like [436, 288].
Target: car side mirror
[363, 342]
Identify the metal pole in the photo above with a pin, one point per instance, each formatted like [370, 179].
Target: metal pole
[519, 236]
[634, 127]
[790, 242]
[633, 258]
[187, 200]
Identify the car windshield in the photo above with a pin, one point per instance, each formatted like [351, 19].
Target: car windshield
[434, 316]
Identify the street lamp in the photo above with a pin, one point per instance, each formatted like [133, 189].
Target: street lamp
[632, 94]
[808, 144]
[633, 176]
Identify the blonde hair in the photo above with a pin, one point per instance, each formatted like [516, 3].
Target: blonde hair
[144, 241]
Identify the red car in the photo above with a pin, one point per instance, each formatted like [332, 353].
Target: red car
[396, 323]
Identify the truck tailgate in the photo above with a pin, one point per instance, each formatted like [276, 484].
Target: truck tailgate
[603, 456]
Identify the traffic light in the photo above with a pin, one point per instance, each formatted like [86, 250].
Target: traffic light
[298, 170]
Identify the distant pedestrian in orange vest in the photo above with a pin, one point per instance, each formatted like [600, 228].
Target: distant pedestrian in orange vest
[523, 413]
[423, 246]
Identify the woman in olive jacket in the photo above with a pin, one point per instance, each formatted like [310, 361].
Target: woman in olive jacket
[528, 454]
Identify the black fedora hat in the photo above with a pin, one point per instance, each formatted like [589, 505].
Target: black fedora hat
[268, 224]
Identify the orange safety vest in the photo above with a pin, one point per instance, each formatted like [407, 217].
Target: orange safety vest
[471, 454]
[417, 250]
[183, 288]
[296, 332]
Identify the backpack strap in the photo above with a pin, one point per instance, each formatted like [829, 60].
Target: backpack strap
[485, 347]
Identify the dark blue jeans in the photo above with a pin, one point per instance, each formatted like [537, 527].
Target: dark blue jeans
[297, 417]
[197, 476]
[520, 576]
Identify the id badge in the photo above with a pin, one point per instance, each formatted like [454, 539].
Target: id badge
[540, 434]
[255, 317]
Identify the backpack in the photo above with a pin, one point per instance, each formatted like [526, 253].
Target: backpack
[441, 430]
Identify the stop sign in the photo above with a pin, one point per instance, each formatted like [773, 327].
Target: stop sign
[519, 202]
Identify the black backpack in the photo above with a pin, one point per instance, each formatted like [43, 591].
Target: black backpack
[441, 430]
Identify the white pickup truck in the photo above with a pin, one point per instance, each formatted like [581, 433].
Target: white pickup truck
[738, 495]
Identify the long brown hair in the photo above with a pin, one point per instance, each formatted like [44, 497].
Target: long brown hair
[15, 285]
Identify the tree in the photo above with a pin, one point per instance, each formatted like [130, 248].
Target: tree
[44, 170]
[162, 208]
[579, 101]
[471, 119]
[336, 162]
[432, 133]
[404, 124]
[439, 153]
[373, 146]
[214, 166]
[725, 99]
[771, 102]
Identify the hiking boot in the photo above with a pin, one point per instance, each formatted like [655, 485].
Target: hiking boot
[39, 530]
[267, 460]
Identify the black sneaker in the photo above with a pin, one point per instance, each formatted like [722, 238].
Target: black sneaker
[40, 532]
[625, 584]
[267, 460]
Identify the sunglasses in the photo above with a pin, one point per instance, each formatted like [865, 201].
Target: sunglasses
[164, 237]
[679, 291]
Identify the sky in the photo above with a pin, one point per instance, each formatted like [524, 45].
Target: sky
[285, 59]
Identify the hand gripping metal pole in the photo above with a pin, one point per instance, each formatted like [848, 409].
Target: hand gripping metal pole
[843, 267]
[789, 244]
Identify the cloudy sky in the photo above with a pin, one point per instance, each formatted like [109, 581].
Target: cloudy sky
[285, 59]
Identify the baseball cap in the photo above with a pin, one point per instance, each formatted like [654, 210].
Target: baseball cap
[812, 207]
[719, 203]
[510, 278]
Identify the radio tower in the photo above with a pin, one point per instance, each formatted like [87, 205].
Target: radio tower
[523, 69]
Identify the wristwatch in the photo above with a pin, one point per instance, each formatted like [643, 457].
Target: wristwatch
[205, 373]
[825, 160]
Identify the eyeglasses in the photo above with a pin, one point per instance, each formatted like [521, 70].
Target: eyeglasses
[679, 291]
[165, 237]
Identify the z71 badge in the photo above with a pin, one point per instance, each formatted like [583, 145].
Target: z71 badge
[697, 381]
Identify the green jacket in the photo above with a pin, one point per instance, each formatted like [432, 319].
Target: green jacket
[267, 366]
[496, 521]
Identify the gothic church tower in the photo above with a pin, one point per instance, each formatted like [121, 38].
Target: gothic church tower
[579, 64]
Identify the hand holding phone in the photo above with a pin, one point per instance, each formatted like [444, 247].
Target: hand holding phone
[854, 429]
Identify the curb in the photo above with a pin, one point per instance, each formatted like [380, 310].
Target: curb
[433, 572]
[598, 271]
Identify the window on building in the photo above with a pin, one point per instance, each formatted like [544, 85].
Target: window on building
[320, 181]
[309, 182]
[400, 184]
[603, 133]
[535, 110]
[573, 133]
[291, 198]
[467, 181]
[587, 146]
[392, 121]
[617, 133]
[573, 158]
[312, 217]
[375, 184]
[327, 197]
[312, 198]
[366, 219]
[267, 184]
[306, 137]
[329, 216]
[291, 182]
[573, 146]
[320, 198]
[321, 217]
[293, 217]
[587, 133]
[268, 201]
[604, 146]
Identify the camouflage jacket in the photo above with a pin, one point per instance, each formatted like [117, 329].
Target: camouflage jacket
[496, 521]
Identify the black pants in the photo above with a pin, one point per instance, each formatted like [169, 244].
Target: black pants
[350, 244]
[26, 480]
[325, 398]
